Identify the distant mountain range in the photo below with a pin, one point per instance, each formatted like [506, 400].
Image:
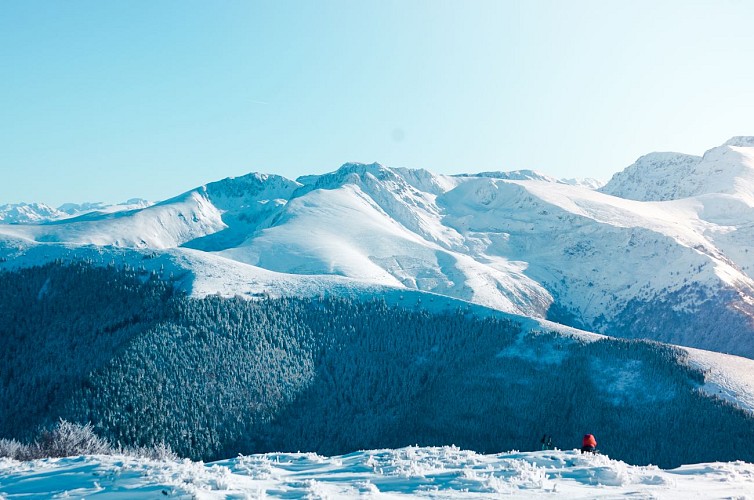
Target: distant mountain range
[661, 251]
[33, 213]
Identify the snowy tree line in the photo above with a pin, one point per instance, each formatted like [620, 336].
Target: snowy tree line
[214, 377]
[67, 439]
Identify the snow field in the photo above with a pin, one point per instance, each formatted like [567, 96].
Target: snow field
[440, 472]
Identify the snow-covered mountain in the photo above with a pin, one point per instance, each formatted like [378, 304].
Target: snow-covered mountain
[33, 213]
[27, 213]
[76, 209]
[587, 182]
[727, 169]
[661, 251]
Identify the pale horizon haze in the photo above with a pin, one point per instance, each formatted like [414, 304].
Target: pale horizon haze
[106, 101]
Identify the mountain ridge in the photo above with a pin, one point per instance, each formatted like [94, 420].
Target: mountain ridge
[526, 244]
[726, 169]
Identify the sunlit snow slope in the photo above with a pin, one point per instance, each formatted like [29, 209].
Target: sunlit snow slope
[662, 251]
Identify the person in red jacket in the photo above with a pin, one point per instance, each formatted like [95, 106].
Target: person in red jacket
[589, 444]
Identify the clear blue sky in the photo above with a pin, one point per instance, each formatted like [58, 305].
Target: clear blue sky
[107, 100]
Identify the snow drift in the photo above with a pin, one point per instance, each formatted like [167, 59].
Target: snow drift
[446, 472]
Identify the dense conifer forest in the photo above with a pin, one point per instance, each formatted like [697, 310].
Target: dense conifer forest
[214, 377]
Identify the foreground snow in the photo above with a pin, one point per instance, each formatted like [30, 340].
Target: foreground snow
[422, 472]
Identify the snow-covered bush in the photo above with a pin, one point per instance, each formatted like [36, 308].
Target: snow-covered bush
[65, 439]
[159, 451]
[69, 439]
[10, 448]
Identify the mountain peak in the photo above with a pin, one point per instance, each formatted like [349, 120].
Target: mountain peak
[348, 173]
[671, 176]
[376, 169]
[252, 186]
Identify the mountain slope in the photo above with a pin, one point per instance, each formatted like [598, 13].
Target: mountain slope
[341, 229]
[214, 377]
[603, 258]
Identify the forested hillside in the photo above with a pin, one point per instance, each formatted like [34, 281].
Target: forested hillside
[214, 377]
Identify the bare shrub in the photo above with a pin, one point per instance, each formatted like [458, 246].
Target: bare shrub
[10, 448]
[159, 451]
[69, 439]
